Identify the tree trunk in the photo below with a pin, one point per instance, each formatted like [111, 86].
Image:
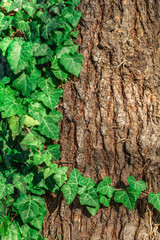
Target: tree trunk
[111, 123]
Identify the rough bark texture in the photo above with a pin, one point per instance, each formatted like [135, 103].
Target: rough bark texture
[111, 123]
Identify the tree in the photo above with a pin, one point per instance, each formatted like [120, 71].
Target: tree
[111, 119]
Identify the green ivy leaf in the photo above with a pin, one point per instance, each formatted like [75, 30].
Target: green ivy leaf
[52, 99]
[37, 222]
[11, 107]
[104, 200]
[31, 140]
[31, 7]
[92, 210]
[30, 207]
[139, 186]
[127, 198]
[72, 64]
[46, 85]
[5, 189]
[69, 193]
[19, 53]
[21, 21]
[13, 232]
[104, 188]
[90, 198]
[37, 111]
[49, 128]
[4, 43]
[8, 5]
[40, 50]
[154, 199]
[75, 178]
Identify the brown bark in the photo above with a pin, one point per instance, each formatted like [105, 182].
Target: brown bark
[111, 123]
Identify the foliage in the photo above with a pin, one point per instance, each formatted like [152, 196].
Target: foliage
[37, 54]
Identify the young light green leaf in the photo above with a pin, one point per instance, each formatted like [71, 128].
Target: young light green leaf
[31, 140]
[104, 188]
[60, 179]
[49, 128]
[139, 186]
[30, 207]
[19, 3]
[15, 126]
[154, 199]
[28, 121]
[19, 53]
[40, 158]
[72, 64]
[69, 193]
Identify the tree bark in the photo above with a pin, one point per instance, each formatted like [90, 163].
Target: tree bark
[111, 123]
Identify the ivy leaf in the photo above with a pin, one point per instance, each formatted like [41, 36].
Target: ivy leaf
[49, 128]
[37, 222]
[40, 158]
[92, 210]
[40, 50]
[88, 183]
[139, 186]
[13, 232]
[104, 188]
[54, 150]
[21, 21]
[52, 99]
[11, 107]
[73, 18]
[46, 85]
[90, 198]
[76, 2]
[31, 140]
[8, 5]
[30, 233]
[15, 126]
[154, 199]
[75, 178]
[104, 200]
[19, 3]
[29, 121]
[69, 193]
[4, 43]
[19, 53]
[5, 189]
[72, 64]
[30, 207]
[25, 84]
[37, 111]
[30, 7]
[127, 198]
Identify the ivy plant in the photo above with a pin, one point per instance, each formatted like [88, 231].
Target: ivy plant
[37, 54]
